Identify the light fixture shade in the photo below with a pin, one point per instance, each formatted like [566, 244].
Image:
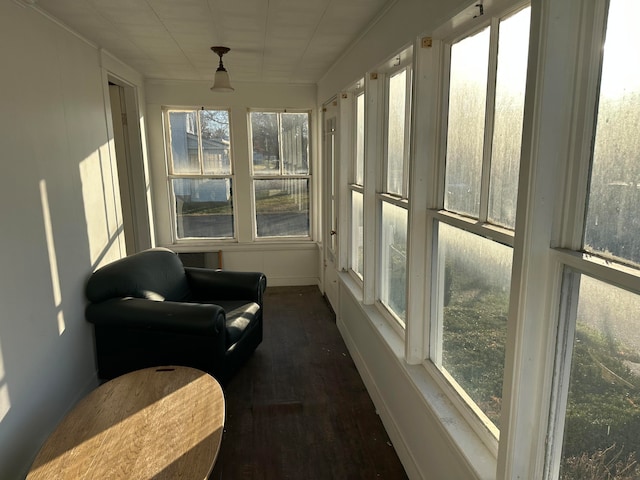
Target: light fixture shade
[221, 82]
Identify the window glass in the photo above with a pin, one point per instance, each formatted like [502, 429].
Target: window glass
[185, 143]
[266, 143]
[393, 271]
[612, 223]
[513, 44]
[359, 166]
[474, 282]
[357, 234]
[215, 141]
[282, 207]
[466, 121]
[603, 412]
[203, 208]
[295, 143]
[396, 109]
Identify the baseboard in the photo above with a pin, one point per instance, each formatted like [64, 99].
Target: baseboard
[273, 281]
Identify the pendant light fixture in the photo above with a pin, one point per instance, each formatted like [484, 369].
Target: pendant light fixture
[221, 81]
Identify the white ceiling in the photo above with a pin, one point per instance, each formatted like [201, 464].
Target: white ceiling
[273, 41]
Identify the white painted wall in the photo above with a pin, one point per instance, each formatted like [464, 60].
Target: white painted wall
[60, 219]
[284, 263]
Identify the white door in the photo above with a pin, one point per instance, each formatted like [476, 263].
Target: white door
[330, 240]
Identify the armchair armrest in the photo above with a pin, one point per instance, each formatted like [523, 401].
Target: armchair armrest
[138, 313]
[226, 285]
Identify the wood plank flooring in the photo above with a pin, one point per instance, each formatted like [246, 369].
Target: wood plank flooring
[298, 409]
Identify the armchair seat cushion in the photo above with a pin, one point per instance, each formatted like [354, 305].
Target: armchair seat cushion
[148, 309]
[239, 314]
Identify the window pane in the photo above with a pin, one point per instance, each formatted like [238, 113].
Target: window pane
[282, 207]
[266, 149]
[295, 143]
[395, 132]
[513, 45]
[393, 272]
[603, 412]
[203, 207]
[475, 286]
[613, 223]
[215, 142]
[184, 142]
[359, 167]
[465, 131]
[357, 234]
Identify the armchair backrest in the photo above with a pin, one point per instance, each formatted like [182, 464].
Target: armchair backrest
[155, 274]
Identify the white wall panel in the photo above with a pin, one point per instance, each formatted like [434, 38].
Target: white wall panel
[60, 219]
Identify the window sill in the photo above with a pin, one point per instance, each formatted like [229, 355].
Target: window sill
[211, 246]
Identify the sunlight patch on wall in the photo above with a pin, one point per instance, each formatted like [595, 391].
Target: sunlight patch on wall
[101, 196]
[5, 400]
[51, 250]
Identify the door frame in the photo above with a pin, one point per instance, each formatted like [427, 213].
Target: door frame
[125, 130]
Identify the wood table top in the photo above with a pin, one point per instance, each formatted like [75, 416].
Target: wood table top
[160, 423]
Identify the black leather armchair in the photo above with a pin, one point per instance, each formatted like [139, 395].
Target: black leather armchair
[148, 309]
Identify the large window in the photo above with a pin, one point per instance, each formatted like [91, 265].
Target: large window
[200, 173]
[600, 401]
[281, 173]
[393, 199]
[474, 232]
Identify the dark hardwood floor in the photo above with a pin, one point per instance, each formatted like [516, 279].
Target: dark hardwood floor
[298, 409]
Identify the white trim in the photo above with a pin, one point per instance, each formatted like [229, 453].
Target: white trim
[532, 312]
[373, 160]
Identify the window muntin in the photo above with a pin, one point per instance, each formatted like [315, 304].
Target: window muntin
[281, 173]
[393, 260]
[603, 414]
[470, 126]
[511, 75]
[200, 173]
[612, 223]
[473, 284]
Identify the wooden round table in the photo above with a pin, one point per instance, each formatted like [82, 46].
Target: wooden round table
[160, 423]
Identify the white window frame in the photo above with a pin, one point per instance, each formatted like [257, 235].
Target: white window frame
[568, 256]
[401, 62]
[308, 177]
[171, 175]
[467, 23]
[356, 91]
